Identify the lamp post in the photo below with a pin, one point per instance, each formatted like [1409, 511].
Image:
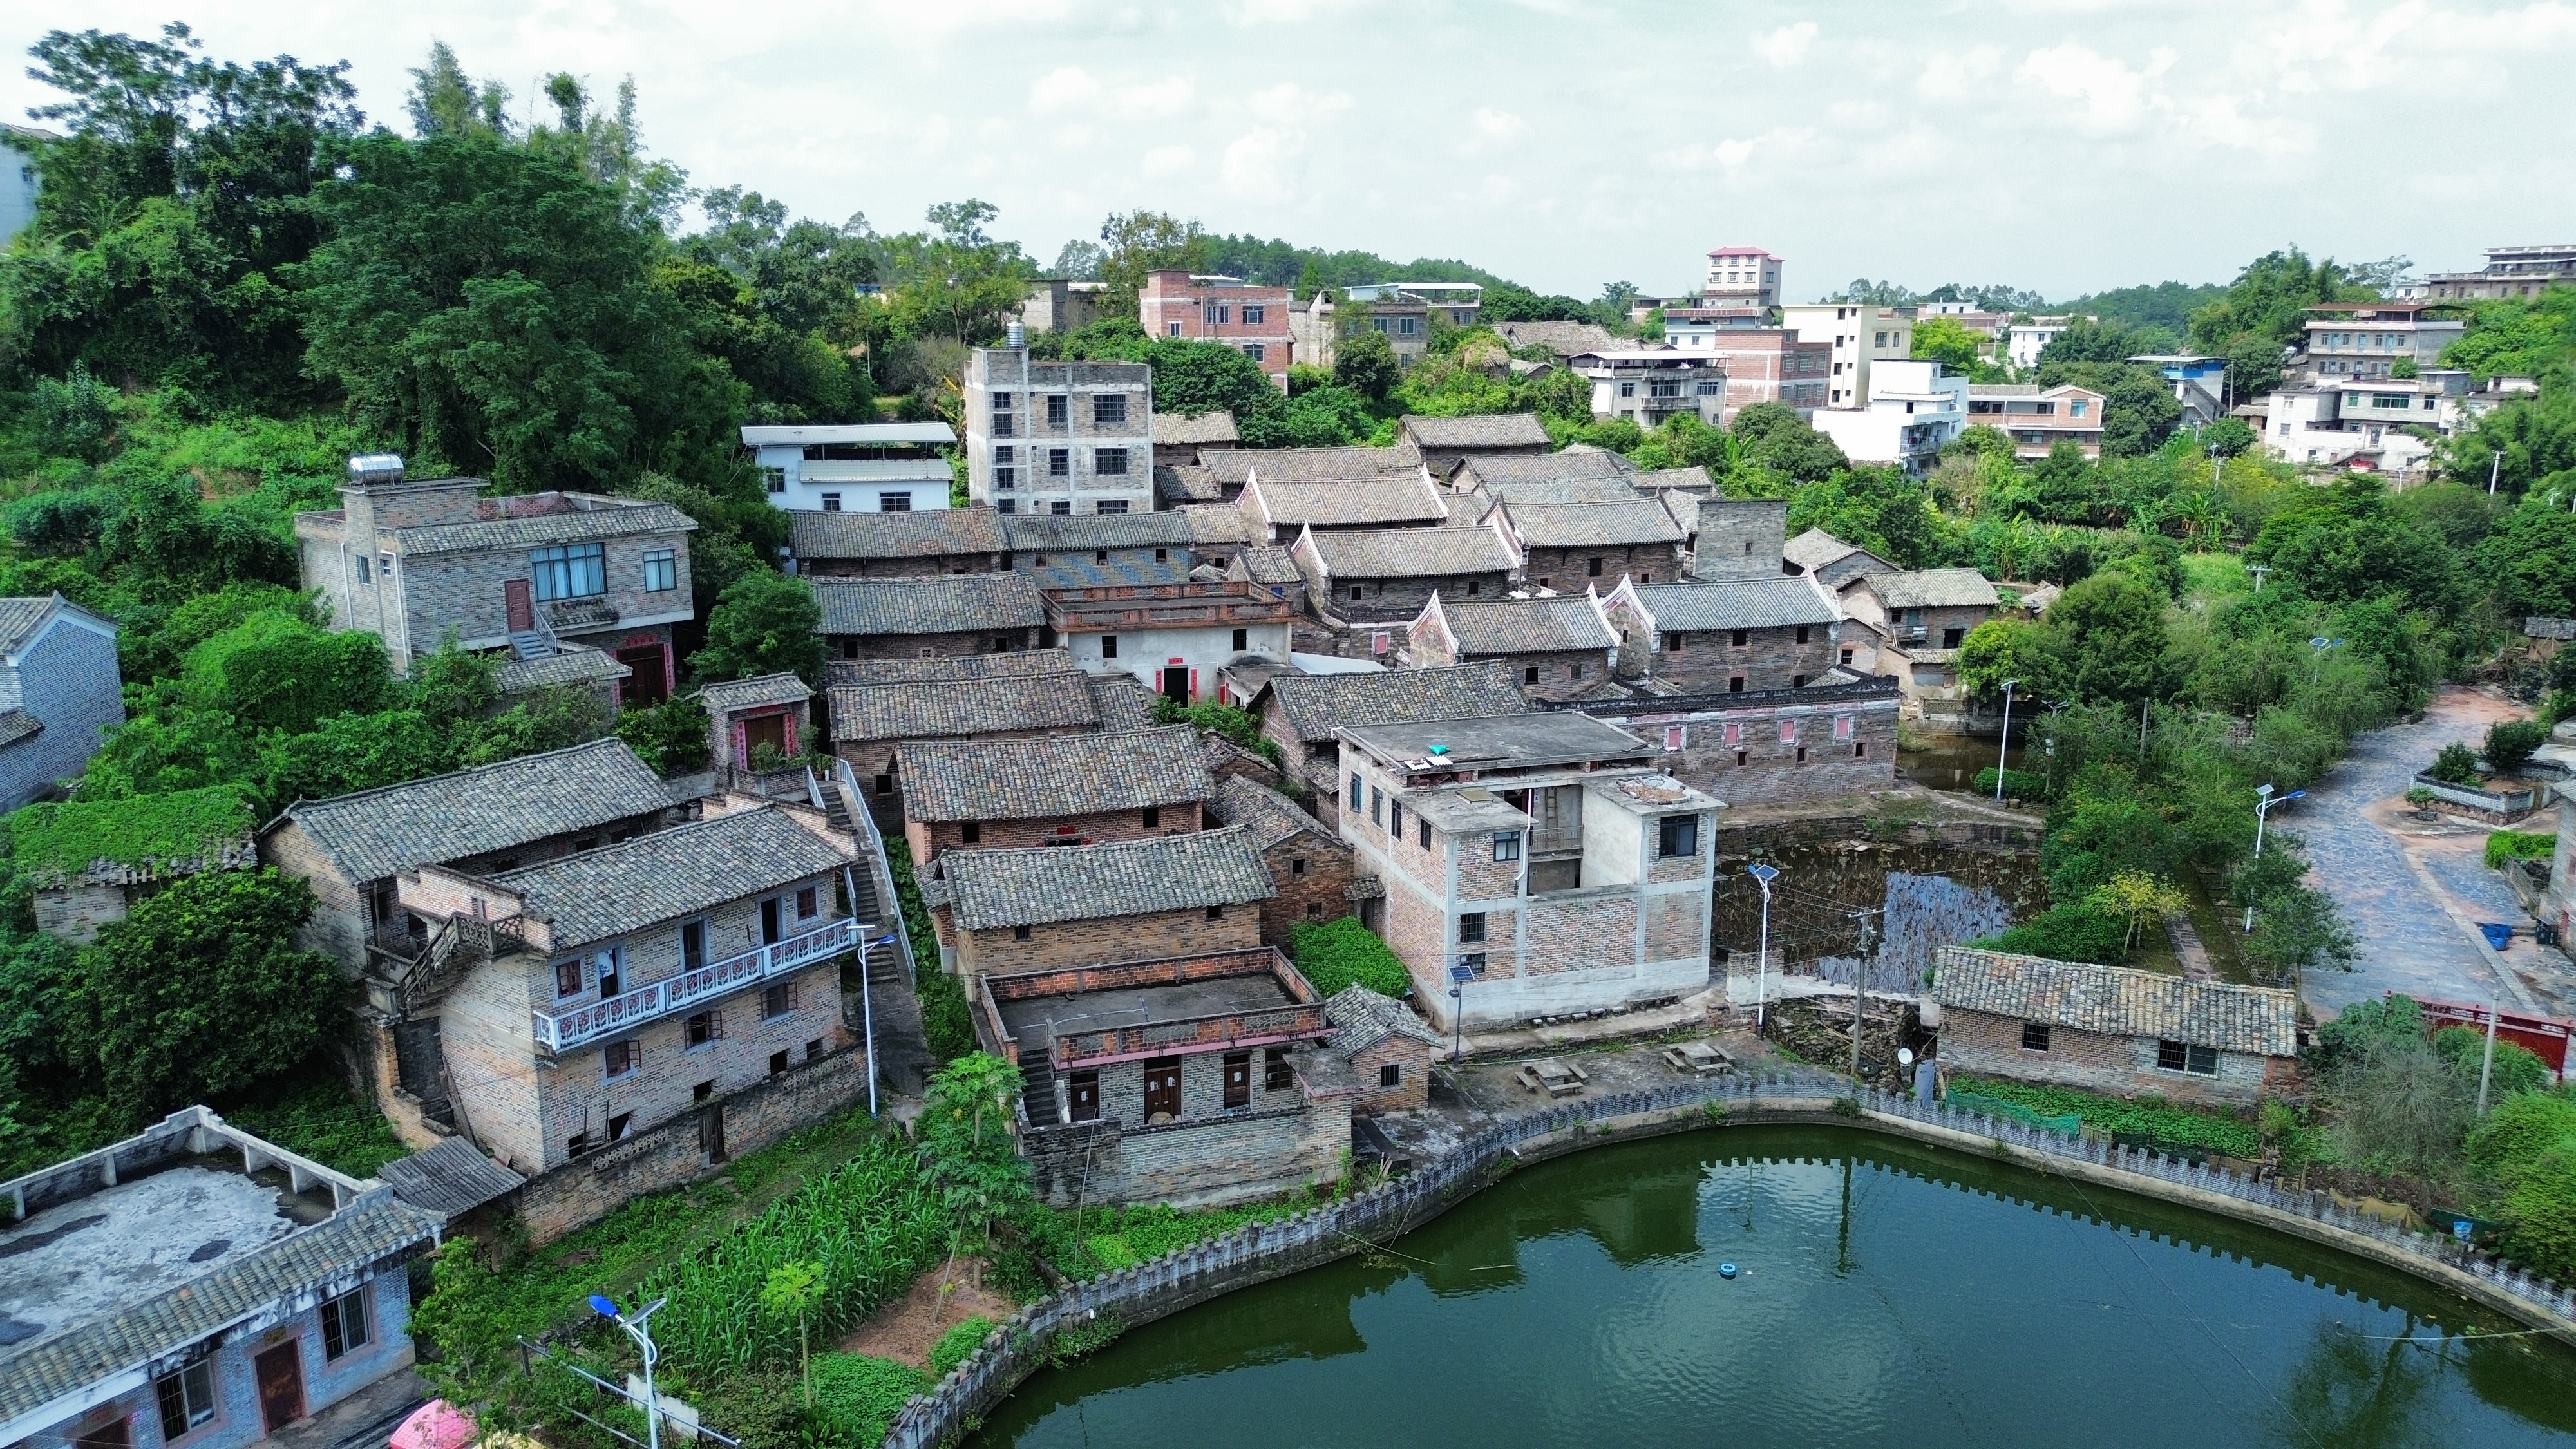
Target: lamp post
[640, 1330]
[1460, 973]
[2003, 751]
[2263, 803]
[2495, 465]
[2258, 571]
[1762, 875]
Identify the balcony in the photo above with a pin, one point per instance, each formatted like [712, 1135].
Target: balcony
[591, 613]
[592, 1020]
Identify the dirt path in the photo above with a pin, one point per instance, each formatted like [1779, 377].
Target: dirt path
[905, 1329]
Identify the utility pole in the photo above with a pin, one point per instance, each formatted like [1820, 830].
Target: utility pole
[2258, 571]
[1860, 983]
[2495, 465]
[2004, 751]
[2486, 1067]
[640, 1330]
[1763, 875]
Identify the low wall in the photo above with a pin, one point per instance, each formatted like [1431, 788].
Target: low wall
[1086, 1314]
[2494, 807]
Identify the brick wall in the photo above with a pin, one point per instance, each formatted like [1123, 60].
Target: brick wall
[1412, 1062]
[1740, 537]
[1980, 1042]
[76, 912]
[1194, 1164]
[338, 925]
[582, 1192]
[1772, 772]
[924, 566]
[1115, 938]
[1567, 570]
[464, 592]
[928, 838]
[1559, 675]
[932, 646]
[1400, 600]
[1313, 873]
[1711, 662]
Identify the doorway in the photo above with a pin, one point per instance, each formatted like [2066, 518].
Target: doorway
[514, 601]
[772, 929]
[1176, 683]
[280, 1372]
[648, 680]
[1162, 1089]
[711, 1132]
[767, 729]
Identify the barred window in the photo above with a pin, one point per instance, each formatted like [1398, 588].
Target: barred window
[344, 1324]
[1109, 408]
[569, 571]
[187, 1398]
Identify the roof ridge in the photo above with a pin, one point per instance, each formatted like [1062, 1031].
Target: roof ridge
[415, 783]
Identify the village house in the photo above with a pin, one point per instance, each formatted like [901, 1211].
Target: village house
[1565, 339]
[877, 705]
[1082, 905]
[1565, 546]
[1310, 866]
[1301, 713]
[922, 618]
[1090, 549]
[1219, 532]
[1839, 566]
[2367, 340]
[418, 561]
[1763, 364]
[2115, 1029]
[1269, 569]
[761, 719]
[854, 467]
[1725, 636]
[1442, 442]
[1058, 437]
[1187, 438]
[1543, 856]
[1173, 638]
[1248, 317]
[593, 997]
[1648, 385]
[1193, 1081]
[896, 545]
[1222, 473]
[1738, 538]
[1376, 583]
[2037, 419]
[1277, 511]
[197, 1285]
[1062, 790]
[1530, 477]
[155, 839]
[59, 689]
[1386, 1047]
[1558, 647]
[1914, 624]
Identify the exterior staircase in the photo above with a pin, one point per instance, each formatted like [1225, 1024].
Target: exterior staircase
[531, 645]
[1037, 1089]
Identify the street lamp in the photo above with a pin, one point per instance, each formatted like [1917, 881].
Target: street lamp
[2258, 571]
[2264, 800]
[1762, 876]
[1460, 973]
[2004, 750]
[642, 1332]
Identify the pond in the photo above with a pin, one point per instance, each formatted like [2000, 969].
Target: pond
[1951, 762]
[1885, 1293]
[1911, 899]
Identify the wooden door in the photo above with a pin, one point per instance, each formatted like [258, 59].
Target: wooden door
[767, 729]
[1163, 1088]
[1238, 1079]
[647, 680]
[280, 1372]
[771, 930]
[711, 1132]
[514, 599]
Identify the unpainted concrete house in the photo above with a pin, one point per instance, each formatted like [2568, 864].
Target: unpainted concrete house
[1303, 713]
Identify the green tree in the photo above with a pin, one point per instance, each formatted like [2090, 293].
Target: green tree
[1364, 362]
[957, 282]
[351, 752]
[767, 623]
[2529, 561]
[966, 1142]
[1135, 243]
[1946, 341]
[2110, 639]
[2267, 305]
[2137, 900]
[274, 671]
[670, 737]
[793, 1291]
[2021, 650]
[1780, 441]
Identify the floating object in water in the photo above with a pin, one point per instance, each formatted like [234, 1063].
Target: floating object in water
[1726, 1270]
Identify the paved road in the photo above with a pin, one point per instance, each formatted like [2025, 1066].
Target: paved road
[2409, 942]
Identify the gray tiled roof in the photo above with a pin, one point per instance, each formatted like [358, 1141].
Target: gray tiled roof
[1050, 533]
[929, 533]
[1593, 525]
[376, 833]
[1058, 775]
[1266, 564]
[1693, 479]
[1411, 553]
[1518, 491]
[1386, 498]
[1506, 469]
[1124, 701]
[1216, 426]
[601, 893]
[611, 519]
[569, 664]
[2119, 1001]
[949, 708]
[19, 617]
[1815, 548]
[451, 1178]
[1217, 523]
[752, 693]
[1009, 665]
[1361, 1019]
[1077, 571]
[332, 1252]
[1307, 465]
[1769, 603]
[1565, 339]
[1269, 815]
[988, 889]
[956, 604]
[1934, 589]
[1318, 704]
[17, 724]
[1179, 483]
[1527, 626]
[1491, 430]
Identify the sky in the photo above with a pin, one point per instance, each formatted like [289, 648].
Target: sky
[2060, 145]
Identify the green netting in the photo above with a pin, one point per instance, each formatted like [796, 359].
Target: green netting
[2070, 1124]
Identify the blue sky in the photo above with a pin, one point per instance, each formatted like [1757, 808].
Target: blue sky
[2065, 146]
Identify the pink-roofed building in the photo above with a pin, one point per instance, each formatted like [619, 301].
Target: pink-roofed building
[1251, 319]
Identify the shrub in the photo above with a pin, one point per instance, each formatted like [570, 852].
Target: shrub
[2071, 932]
[670, 737]
[2456, 765]
[2507, 846]
[2018, 784]
[2511, 744]
[2523, 1127]
[2111, 1114]
[858, 1396]
[1336, 954]
[179, 826]
[958, 1342]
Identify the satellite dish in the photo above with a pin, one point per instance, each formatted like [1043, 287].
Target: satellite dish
[1905, 1056]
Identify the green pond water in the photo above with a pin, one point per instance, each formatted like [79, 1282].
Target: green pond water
[1886, 1295]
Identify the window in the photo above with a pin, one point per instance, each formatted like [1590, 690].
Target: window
[2174, 1056]
[1673, 642]
[1846, 657]
[831, 503]
[1711, 389]
[1797, 681]
[344, 1324]
[776, 478]
[1254, 350]
[1802, 633]
[1242, 640]
[1735, 684]
[1296, 866]
[693, 945]
[1377, 804]
[1355, 791]
[885, 783]
[1422, 828]
[1627, 389]
[1151, 817]
[622, 1057]
[2034, 1036]
[1059, 462]
[1592, 568]
[569, 571]
[364, 577]
[1109, 505]
[662, 567]
[1058, 409]
[1677, 835]
[1238, 1079]
[1395, 820]
[1474, 961]
[701, 1029]
[1171, 329]
[1108, 646]
[1224, 313]
[1390, 1075]
[1109, 408]
[894, 503]
[1275, 1076]
[1675, 736]
[2075, 409]
[1738, 637]
[1471, 926]
[1507, 846]
[1004, 475]
[777, 1000]
[1216, 913]
[1110, 463]
[567, 978]
[1530, 675]
[607, 963]
[1019, 933]
[188, 1396]
[1405, 325]
[809, 903]
[1252, 314]
[777, 1062]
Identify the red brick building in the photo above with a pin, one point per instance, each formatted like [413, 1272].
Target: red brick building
[1251, 319]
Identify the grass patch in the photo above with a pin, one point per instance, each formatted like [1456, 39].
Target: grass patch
[1337, 953]
[2210, 576]
[1108, 1239]
[309, 1110]
[956, 1344]
[2507, 846]
[860, 1395]
[2209, 1131]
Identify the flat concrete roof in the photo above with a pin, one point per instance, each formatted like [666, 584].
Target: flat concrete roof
[1499, 741]
[116, 1248]
[1036, 1022]
[877, 434]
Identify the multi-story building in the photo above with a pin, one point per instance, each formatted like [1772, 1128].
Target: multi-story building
[2365, 340]
[1648, 385]
[2025, 341]
[1557, 646]
[918, 618]
[1860, 334]
[2199, 383]
[1740, 538]
[1457, 302]
[854, 467]
[1247, 317]
[1173, 638]
[196, 1285]
[2519, 271]
[1542, 856]
[2378, 424]
[1741, 277]
[1763, 364]
[1061, 790]
[1058, 437]
[59, 689]
[418, 561]
[1913, 408]
[2036, 418]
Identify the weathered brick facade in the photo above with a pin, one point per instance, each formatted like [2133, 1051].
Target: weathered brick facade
[1087, 943]
[1240, 1158]
[1770, 748]
[1568, 570]
[1975, 1041]
[928, 838]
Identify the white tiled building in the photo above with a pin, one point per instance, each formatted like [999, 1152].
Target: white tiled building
[1861, 334]
[854, 468]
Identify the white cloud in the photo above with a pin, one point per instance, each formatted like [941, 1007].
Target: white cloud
[1787, 45]
[1256, 165]
[1288, 104]
[2114, 97]
[1169, 161]
[1156, 100]
[1496, 125]
[1067, 88]
[1957, 75]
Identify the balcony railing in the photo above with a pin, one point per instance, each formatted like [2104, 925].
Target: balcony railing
[590, 1021]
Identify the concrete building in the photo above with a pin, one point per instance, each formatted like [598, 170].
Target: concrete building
[1648, 385]
[2370, 424]
[1860, 335]
[415, 561]
[1067, 789]
[1058, 437]
[855, 467]
[1741, 277]
[1557, 646]
[2025, 341]
[1762, 364]
[59, 691]
[899, 618]
[1173, 638]
[2037, 419]
[2515, 271]
[1541, 855]
[1061, 304]
[2346, 341]
[1302, 713]
[2114, 1029]
[197, 1285]
[1913, 408]
[1247, 317]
